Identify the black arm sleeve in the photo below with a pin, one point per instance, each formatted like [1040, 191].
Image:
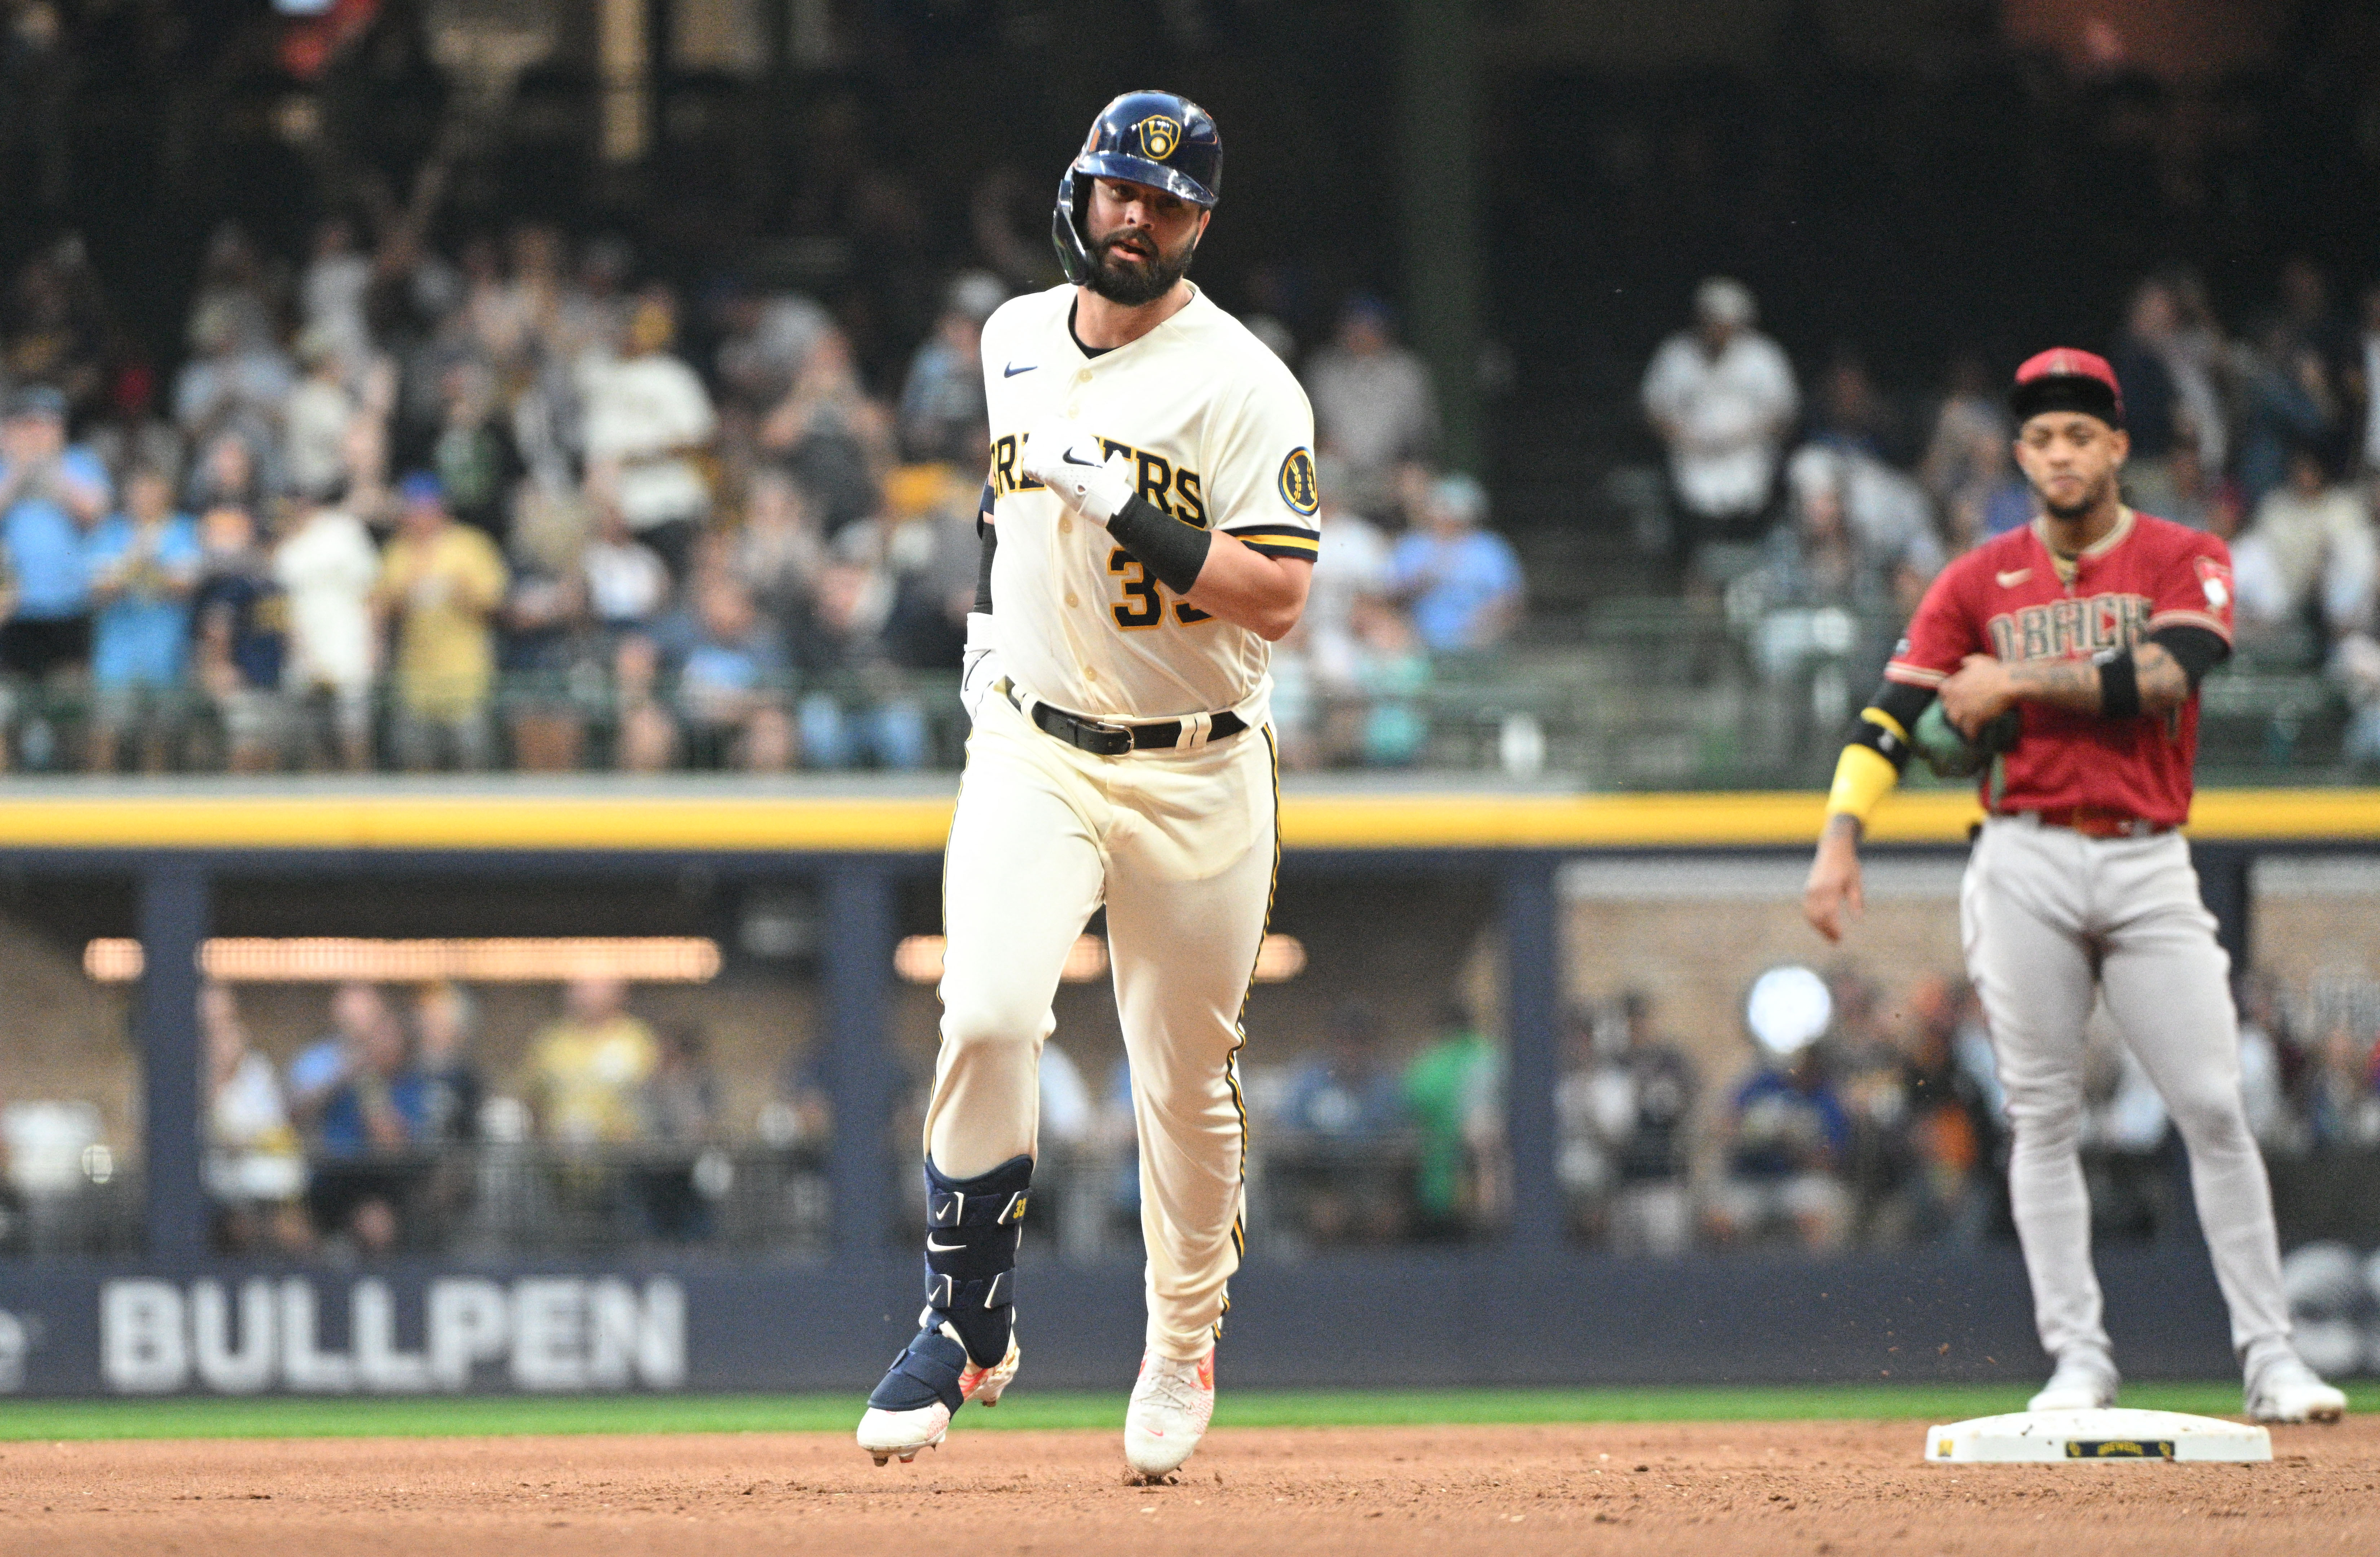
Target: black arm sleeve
[2196, 650]
[1905, 704]
[990, 534]
[1174, 552]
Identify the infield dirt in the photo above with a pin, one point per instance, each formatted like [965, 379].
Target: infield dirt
[1682, 1490]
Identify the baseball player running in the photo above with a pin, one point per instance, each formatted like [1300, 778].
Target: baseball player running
[2095, 625]
[1148, 528]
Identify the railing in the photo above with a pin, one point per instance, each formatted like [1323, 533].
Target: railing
[535, 1199]
[1633, 694]
[1305, 1194]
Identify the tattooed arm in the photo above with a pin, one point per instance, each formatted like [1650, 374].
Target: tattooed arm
[1982, 688]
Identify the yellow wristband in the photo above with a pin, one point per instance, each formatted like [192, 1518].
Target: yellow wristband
[1863, 777]
[1884, 720]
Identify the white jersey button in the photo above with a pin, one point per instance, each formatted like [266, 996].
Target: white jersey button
[1071, 600]
[1065, 526]
[1090, 672]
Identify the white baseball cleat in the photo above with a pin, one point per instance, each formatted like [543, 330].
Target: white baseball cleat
[2289, 1391]
[2081, 1382]
[887, 1432]
[1172, 1403]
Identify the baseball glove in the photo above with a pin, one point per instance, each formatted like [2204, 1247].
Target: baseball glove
[1953, 755]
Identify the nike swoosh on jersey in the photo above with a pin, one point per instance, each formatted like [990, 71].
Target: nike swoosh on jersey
[1010, 370]
[2012, 577]
[942, 1248]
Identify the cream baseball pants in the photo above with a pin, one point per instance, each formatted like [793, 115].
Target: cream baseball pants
[1182, 847]
[2050, 919]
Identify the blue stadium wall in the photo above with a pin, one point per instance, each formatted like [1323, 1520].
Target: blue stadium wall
[1526, 1308]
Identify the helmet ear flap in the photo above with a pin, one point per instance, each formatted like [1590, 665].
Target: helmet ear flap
[1066, 232]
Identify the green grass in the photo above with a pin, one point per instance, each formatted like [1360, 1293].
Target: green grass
[491, 1415]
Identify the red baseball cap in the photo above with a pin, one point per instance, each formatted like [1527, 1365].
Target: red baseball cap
[2063, 378]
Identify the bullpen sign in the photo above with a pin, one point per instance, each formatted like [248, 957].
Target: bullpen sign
[264, 1333]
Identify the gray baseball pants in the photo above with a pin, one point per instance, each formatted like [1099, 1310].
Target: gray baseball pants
[2049, 918]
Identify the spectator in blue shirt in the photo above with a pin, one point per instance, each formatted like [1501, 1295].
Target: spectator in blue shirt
[729, 666]
[143, 562]
[1462, 583]
[1787, 1136]
[1344, 1093]
[363, 1115]
[50, 493]
[1337, 1167]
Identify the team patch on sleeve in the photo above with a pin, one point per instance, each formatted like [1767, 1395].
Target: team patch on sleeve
[1298, 487]
[2211, 606]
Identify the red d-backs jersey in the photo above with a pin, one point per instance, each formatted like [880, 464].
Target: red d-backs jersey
[2007, 600]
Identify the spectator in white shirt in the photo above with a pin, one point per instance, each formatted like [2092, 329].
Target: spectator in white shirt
[648, 415]
[1722, 397]
[1320, 670]
[326, 565]
[1374, 405]
[331, 291]
[315, 423]
[1351, 567]
[254, 1170]
[627, 584]
[2310, 557]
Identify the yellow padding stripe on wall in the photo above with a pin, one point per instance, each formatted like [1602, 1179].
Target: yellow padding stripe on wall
[664, 822]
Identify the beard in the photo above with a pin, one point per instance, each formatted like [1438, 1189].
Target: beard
[2089, 500]
[1134, 282]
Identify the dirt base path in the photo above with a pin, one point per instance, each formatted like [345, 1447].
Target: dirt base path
[1683, 1490]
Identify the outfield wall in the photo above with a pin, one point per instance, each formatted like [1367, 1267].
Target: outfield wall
[1491, 1317]
[1525, 1309]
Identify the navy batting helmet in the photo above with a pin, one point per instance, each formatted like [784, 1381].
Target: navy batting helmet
[1154, 138]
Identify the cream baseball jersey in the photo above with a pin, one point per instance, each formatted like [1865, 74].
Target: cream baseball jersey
[1221, 436]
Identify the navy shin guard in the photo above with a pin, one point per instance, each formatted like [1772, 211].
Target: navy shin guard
[973, 1227]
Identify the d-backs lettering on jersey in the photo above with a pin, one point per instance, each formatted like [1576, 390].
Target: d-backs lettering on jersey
[2008, 599]
[1219, 435]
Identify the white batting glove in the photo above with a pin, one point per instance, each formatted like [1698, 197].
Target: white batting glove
[1063, 457]
[978, 666]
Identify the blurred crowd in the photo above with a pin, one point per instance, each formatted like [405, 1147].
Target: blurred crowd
[360, 1145]
[531, 506]
[394, 1129]
[1890, 1128]
[527, 505]
[1819, 506]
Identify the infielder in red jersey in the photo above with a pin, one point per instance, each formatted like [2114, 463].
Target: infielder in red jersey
[2093, 627]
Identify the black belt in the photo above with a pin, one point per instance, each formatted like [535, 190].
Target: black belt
[1103, 739]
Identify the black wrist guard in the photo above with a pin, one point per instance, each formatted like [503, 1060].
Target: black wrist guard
[1174, 552]
[983, 567]
[2196, 650]
[2120, 687]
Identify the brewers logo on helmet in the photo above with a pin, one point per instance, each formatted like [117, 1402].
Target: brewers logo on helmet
[1154, 138]
[1158, 136]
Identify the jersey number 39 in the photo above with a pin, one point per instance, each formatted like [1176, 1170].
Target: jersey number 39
[1143, 604]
